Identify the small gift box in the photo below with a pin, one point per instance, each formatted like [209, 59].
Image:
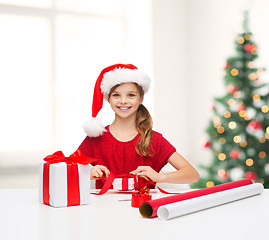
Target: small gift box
[140, 196]
[65, 181]
[124, 184]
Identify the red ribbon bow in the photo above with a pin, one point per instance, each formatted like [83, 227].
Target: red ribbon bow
[73, 192]
[141, 192]
[74, 158]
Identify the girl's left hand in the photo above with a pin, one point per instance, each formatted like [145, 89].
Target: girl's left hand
[147, 172]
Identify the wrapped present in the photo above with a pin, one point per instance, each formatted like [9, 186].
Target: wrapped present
[125, 183]
[65, 181]
[140, 196]
[121, 182]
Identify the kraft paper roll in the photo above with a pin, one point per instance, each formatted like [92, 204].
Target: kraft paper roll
[149, 209]
[204, 202]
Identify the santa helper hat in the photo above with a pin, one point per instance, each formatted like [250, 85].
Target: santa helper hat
[108, 78]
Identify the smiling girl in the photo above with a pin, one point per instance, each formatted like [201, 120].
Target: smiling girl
[129, 145]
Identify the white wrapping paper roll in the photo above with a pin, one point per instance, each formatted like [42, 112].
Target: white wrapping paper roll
[200, 203]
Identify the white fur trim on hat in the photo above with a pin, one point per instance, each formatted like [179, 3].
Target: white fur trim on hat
[124, 75]
[94, 127]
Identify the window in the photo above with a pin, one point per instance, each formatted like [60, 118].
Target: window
[51, 54]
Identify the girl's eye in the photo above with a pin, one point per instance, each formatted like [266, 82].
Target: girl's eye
[115, 95]
[131, 95]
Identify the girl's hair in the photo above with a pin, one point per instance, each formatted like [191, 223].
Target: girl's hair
[144, 124]
[144, 127]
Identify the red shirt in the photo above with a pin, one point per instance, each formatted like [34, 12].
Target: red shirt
[121, 157]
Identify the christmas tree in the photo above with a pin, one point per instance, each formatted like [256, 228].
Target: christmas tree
[238, 134]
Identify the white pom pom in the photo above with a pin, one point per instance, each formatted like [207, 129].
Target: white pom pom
[94, 127]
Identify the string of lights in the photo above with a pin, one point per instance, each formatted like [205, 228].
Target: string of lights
[238, 134]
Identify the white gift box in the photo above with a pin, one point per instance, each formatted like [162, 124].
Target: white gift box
[58, 184]
[117, 184]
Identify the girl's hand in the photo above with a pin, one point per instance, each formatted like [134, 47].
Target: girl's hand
[99, 171]
[147, 173]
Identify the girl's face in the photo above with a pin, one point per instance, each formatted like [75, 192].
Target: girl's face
[125, 100]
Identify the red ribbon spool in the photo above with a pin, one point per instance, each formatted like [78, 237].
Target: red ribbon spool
[140, 196]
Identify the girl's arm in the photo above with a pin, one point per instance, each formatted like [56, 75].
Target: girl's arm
[185, 172]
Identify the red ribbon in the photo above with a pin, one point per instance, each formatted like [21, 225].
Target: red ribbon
[110, 179]
[143, 191]
[125, 183]
[74, 158]
[125, 177]
[73, 193]
[160, 189]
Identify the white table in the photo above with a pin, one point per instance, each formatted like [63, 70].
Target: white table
[23, 217]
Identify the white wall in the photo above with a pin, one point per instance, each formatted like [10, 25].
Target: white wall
[192, 40]
[169, 53]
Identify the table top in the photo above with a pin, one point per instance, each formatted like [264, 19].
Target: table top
[22, 216]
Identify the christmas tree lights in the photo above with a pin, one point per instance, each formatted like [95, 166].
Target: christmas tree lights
[238, 134]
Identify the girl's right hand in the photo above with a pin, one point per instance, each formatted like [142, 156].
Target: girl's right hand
[99, 171]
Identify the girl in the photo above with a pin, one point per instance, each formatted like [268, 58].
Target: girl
[129, 145]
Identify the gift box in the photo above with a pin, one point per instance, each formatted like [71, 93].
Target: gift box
[124, 184]
[140, 196]
[65, 181]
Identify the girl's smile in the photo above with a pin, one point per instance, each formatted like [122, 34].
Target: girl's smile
[123, 108]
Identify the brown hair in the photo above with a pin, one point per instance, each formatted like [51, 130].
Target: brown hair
[144, 125]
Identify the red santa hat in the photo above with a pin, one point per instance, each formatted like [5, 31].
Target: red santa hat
[108, 78]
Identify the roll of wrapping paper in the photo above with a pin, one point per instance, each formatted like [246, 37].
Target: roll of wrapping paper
[178, 209]
[149, 209]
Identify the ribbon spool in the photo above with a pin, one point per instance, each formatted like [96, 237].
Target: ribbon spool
[140, 196]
